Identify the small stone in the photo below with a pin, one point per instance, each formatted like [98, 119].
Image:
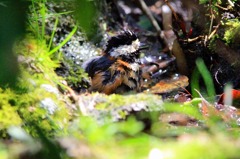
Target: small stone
[50, 89]
[49, 105]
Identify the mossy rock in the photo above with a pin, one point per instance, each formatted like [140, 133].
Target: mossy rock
[36, 101]
[116, 106]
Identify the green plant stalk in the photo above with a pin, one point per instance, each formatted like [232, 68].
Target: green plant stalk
[195, 82]
[43, 14]
[64, 41]
[206, 77]
[35, 18]
[53, 33]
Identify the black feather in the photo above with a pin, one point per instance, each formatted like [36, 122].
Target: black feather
[125, 38]
[96, 64]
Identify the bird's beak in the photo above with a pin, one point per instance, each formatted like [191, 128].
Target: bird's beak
[143, 46]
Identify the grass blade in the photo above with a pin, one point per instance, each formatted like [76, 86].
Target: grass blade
[207, 78]
[195, 82]
[64, 41]
[53, 33]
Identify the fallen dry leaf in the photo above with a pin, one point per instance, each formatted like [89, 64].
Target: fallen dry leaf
[170, 84]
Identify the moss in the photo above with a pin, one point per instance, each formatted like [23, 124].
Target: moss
[24, 109]
[23, 105]
[8, 113]
[232, 32]
[73, 74]
[116, 100]
[31, 111]
[116, 107]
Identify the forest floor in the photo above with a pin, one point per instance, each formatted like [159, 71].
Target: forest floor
[188, 106]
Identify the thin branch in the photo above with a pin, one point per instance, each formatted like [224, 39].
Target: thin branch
[211, 24]
[212, 18]
[150, 16]
[189, 40]
[231, 3]
[213, 32]
[171, 8]
[175, 48]
[225, 9]
[152, 19]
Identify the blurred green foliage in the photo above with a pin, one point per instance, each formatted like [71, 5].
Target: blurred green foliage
[12, 27]
[86, 13]
[30, 92]
[22, 106]
[123, 139]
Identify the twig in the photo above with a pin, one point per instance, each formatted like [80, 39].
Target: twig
[211, 24]
[194, 39]
[175, 48]
[212, 17]
[225, 9]
[152, 19]
[231, 3]
[171, 8]
[150, 16]
[216, 77]
[206, 38]
[213, 32]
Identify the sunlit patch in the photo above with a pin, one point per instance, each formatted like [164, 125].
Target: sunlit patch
[156, 153]
[125, 49]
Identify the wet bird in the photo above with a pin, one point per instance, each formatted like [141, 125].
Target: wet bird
[118, 69]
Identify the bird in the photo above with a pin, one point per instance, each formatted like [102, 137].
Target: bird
[117, 70]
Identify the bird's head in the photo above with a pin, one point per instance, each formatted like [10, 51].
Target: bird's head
[124, 44]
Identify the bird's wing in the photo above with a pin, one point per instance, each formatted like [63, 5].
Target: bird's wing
[97, 64]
